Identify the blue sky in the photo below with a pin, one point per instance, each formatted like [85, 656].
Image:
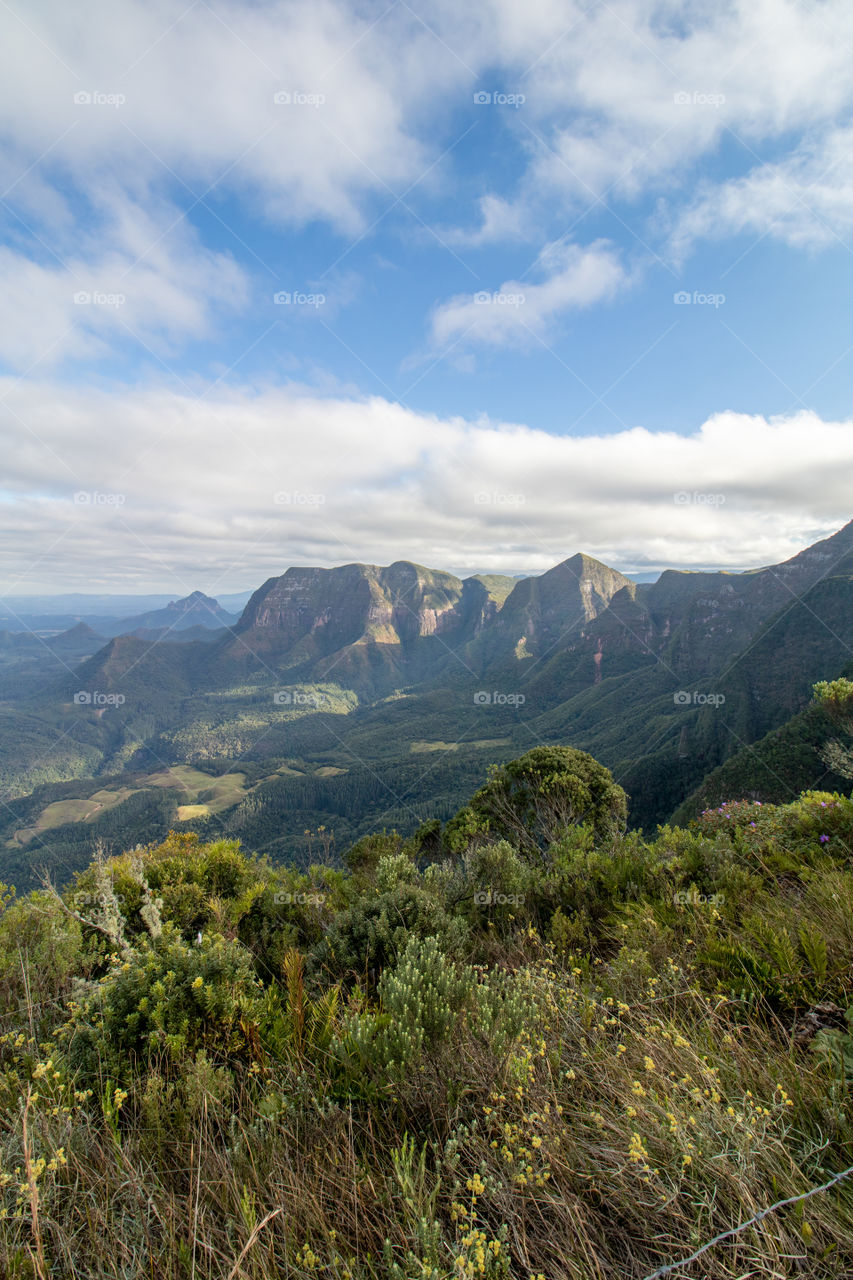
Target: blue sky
[551, 268]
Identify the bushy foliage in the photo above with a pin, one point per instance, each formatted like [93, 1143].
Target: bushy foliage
[419, 1001]
[168, 996]
[197, 885]
[555, 1051]
[533, 800]
[372, 930]
[836, 697]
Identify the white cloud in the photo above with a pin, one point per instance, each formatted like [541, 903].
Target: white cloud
[180, 493]
[628, 100]
[576, 277]
[182, 106]
[804, 200]
[600, 82]
[500, 221]
[134, 275]
[188, 93]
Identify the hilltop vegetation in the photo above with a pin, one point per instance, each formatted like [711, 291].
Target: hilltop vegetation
[526, 1043]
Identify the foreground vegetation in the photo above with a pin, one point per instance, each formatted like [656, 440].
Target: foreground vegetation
[528, 1044]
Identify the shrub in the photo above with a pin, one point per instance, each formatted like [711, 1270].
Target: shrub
[534, 800]
[836, 697]
[419, 1002]
[199, 886]
[167, 997]
[372, 933]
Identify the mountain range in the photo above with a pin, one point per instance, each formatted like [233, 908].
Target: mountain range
[390, 674]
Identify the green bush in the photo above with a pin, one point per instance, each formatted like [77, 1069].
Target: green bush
[168, 997]
[373, 932]
[419, 1000]
[534, 800]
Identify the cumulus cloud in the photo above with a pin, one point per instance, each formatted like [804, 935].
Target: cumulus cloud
[624, 101]
[287, 100]
[331, 112]
[156, 490]
[617, 96]
[501, 221]
[575, 277]
[122, 278]
[804, 200]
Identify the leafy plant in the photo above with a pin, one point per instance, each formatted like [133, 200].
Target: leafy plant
[534, 800]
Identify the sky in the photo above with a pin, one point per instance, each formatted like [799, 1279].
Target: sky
[307, 282]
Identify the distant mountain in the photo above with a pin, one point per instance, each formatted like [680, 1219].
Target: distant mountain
[31, 661]
[80, 641]
[572, 629]
[106, 614]
[196, 610]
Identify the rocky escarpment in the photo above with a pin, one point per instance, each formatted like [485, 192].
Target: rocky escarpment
[360, 617]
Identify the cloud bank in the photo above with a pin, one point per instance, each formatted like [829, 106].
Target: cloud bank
[163, 491]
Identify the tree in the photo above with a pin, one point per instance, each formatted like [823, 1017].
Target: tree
[534, 800]
[836, 698]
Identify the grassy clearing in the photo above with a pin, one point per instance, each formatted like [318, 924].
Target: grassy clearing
[202, 791]
[80, 810]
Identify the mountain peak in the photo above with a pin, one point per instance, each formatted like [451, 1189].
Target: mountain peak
[80, 631]
[586, 566]
[195, 600]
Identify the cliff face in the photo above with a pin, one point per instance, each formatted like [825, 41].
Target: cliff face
[378, 625]
[581, 622]
[702, 620]
[547, 613]
[373, 629]
[407, 615]
[362, 616]
[561, 601]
